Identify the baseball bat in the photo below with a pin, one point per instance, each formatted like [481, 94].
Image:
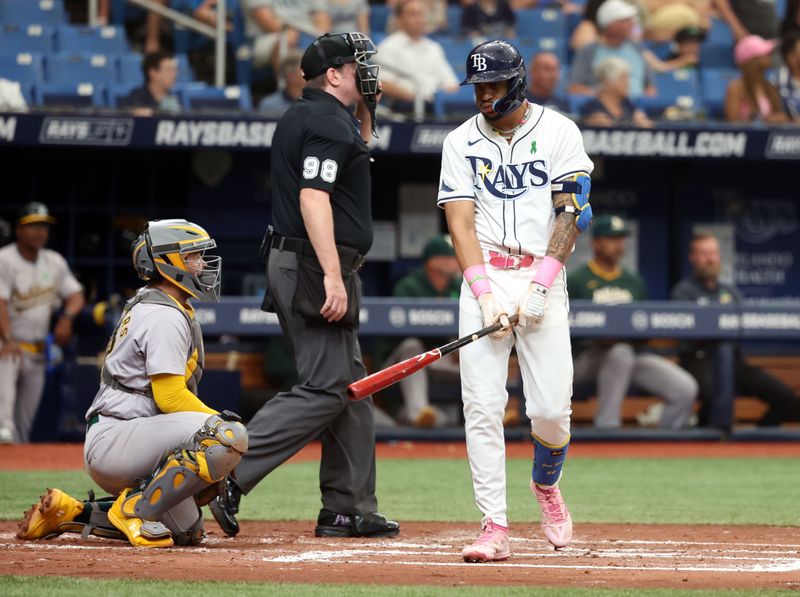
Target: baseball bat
[386, 377]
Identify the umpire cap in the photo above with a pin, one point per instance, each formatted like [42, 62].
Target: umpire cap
[34, 212]
[327, 51]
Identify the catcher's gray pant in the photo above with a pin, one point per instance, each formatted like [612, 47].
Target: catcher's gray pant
[328, 358]
[119, 454]
[21, 387]
[414, 388]
[615, 368]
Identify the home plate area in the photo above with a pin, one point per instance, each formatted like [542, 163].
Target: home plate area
[430, 553]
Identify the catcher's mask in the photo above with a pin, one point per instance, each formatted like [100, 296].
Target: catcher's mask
[332, 50]
[165, 249]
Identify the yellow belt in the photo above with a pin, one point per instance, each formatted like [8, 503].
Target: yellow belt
[32, 347]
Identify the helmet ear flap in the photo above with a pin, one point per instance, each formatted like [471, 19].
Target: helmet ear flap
[143, 258]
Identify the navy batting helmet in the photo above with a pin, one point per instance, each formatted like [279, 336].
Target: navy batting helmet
[494, 61]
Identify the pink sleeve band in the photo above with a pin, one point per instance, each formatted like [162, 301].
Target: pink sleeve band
[548, 271]
[477, 279]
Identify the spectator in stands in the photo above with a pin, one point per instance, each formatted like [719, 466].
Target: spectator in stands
[206, 11]
[791, 20]
[152, 41]
[276, 25]
[615, 19]
[435, 16]
[290, 85]
[438, 277]
[413, 65]
[704, 287]
[544, 76]
[788, 77]
[615, 365]
[160, 73]
[667, 17]
[752, 97]
[612, 106]
[346, 15]
[564, 6]
[749, 17]
[685, 53]
[488, 19]
[587, 31]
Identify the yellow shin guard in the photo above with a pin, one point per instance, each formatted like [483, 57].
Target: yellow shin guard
[140, 533]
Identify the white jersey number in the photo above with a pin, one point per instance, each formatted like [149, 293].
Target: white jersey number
[311, 167]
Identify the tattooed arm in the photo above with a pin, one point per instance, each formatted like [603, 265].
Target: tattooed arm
[565, 232]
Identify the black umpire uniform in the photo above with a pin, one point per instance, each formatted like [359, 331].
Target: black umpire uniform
[317, 145]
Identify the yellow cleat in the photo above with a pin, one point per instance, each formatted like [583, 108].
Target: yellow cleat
[138, 532]
[44, 519]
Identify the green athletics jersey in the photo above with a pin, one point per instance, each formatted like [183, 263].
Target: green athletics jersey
[592, 283]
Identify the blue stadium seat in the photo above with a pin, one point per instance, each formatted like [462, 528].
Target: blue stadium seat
[716, 56]
[455, 106]
[96, 40]
[80, 95]
[453, 26]
[26, 38]
[456, 51]
[576, 102]
[81, 68]
[682, 83]
[49, 12]
[234, 97]
[25, 67]
[661, 49]
[534, 23]
[122, 10]
[378, 17]
[530, 47]
[714, 83]
[118, 92]
[720, 34]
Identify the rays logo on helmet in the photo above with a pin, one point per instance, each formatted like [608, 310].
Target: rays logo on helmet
[478, 62]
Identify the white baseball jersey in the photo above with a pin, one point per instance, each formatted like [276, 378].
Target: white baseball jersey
[34, 289]
[149, 340]
[511, 183]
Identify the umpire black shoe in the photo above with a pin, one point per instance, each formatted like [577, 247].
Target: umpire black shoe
[225, 507]
[331, 524]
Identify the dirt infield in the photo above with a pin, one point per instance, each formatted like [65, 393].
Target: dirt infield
[70, 456]
[629, 556]
[602, 555]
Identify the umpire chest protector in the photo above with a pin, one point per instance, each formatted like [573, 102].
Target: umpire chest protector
[153, 296]
[317, 145]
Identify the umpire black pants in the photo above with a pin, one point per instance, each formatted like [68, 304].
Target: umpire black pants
[783, 405]
[328, 358]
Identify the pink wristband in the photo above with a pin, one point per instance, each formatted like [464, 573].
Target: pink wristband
[477, 280]
[548, 271]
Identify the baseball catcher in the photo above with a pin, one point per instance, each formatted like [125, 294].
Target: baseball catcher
[150, 441]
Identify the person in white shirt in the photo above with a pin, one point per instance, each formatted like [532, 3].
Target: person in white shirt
[414, 67]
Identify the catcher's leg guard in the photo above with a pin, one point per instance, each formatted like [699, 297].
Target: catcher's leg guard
[140, 533]
[548, 460]
[214, 451]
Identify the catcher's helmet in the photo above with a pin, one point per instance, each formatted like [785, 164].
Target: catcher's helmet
[34, 213]
[494, 61]
[161, 248]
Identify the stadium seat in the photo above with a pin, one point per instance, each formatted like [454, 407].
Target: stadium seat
[229, 98]
[129, 69]
[25, 67]
[456, 51]
[26, 38]
[535, 23]
[714, 83]
[378, 17]
[530, 47]
[95, 40]
[49, 12]
[716, 56]
[576, 102]
[720, 34]
[115, 94]
[122, 10]
[455, 106]
[81, 68]
[80, 95]
[453, 26]
[661, 49]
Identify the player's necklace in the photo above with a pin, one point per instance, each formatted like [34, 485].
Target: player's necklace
[511, 132]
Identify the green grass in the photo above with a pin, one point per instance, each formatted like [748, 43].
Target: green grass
[687, 491]
[25, 586]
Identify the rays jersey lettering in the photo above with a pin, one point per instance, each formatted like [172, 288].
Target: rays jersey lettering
[510, 184]
[508, 181]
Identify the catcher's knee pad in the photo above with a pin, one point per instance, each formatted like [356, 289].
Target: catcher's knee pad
[214, 451]
[548, 460]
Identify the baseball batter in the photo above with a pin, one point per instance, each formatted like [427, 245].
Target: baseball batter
[34, 283]
[150, 441]
[515, 187]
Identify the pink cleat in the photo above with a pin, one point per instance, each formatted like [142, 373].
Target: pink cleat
[491, 546]
[556, 521]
